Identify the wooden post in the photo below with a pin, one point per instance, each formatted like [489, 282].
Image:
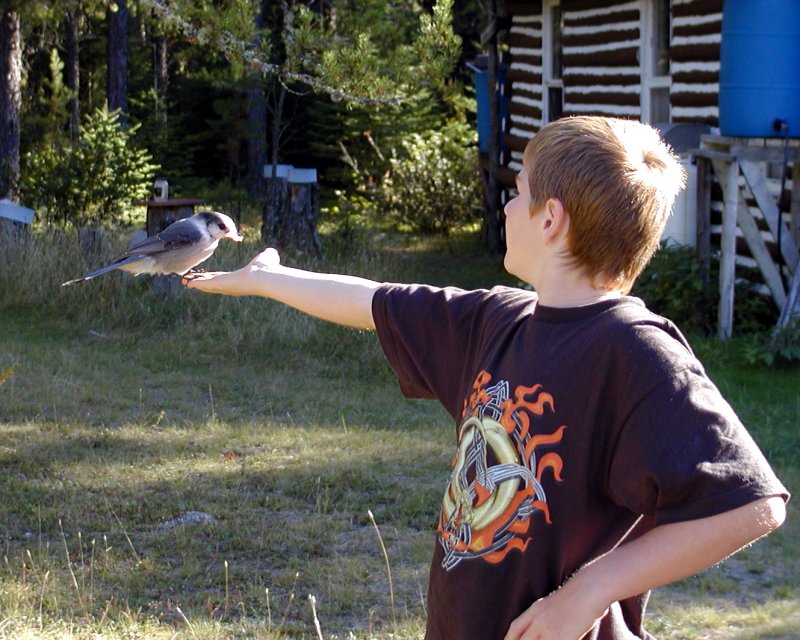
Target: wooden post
[794, 209]
[792, 306]
[703, 217]
[493, 224]
[727, 267]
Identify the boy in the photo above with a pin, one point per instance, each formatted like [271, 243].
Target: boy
[595, 460]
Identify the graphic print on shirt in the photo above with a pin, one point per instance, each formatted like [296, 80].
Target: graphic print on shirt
[496, 481]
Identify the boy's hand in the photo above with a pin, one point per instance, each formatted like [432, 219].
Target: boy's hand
[267, 259]
[234, 283]
[560, 616]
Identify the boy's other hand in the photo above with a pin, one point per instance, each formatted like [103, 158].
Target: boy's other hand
[556, 617]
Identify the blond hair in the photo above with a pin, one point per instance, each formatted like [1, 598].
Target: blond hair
[617, 180]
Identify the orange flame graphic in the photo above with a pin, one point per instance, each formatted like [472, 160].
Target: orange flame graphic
[513, 524]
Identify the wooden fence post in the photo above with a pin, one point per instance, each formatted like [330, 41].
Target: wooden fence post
[727, 267]
[703, 217]
[794, 208]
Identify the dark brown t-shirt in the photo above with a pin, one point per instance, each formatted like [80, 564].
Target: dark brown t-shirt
[575, 428]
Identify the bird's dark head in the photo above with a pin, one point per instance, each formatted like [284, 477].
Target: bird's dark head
[221, 226]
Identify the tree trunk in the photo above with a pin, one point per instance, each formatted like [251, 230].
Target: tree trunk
[274, 209]
[117, 57]
[161, 77]
[10, 102]
[274, 206]
[256, 122]
[299, 232]
[73, 72]
[291, 212]
[256, 139]
[291, 208]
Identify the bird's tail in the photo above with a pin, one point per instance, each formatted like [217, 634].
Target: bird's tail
[102, 270]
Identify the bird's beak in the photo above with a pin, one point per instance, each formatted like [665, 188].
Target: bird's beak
[235, 236]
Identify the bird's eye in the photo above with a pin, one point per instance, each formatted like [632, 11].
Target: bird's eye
[222, 226]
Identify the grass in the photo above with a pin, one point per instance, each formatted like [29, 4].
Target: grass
[123, 409]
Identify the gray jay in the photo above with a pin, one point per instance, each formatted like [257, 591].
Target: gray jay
[177, 249]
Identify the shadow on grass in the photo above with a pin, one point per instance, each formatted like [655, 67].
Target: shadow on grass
[289, 507]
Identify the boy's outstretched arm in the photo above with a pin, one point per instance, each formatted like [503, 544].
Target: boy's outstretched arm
[663, 555]
[341, 299]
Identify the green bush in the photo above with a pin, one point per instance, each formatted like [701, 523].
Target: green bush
[781, 345]
[93, 181]
[674, 285]
[433, 183]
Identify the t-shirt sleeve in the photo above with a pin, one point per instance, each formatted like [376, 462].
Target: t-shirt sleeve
[683, 454]
[428, 334]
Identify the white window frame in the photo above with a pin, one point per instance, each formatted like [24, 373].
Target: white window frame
[548, 80]
[647, 57]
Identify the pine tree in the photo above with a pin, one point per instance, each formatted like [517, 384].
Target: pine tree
[10, 100]
[117, 63]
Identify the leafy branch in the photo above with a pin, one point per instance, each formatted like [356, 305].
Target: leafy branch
[321, 51]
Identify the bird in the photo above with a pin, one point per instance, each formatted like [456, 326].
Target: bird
[177, 249]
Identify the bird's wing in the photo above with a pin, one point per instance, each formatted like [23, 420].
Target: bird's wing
[179, 234]
[98, 272]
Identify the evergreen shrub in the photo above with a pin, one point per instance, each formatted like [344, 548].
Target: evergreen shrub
[433, 183]
[94, 180]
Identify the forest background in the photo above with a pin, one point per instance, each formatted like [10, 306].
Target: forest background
[102, 96]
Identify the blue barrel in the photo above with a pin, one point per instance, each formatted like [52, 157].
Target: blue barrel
[759, 76]
[480, 76]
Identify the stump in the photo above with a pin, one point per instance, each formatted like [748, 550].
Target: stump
[92, 243]
[15, 223]
[162, 213]
[291, 210]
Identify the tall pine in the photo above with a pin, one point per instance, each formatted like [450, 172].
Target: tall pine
[10, 100]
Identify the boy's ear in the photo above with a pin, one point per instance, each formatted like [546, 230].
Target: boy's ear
[555, 220]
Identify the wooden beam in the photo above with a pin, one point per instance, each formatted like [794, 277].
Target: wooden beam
[524, 8]
[755, 179]
[759, 251]
[758, 248]
[791, 307]
[752, 235]
[515, 143]
[506, 178]
[794, 208]
[771, 154]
